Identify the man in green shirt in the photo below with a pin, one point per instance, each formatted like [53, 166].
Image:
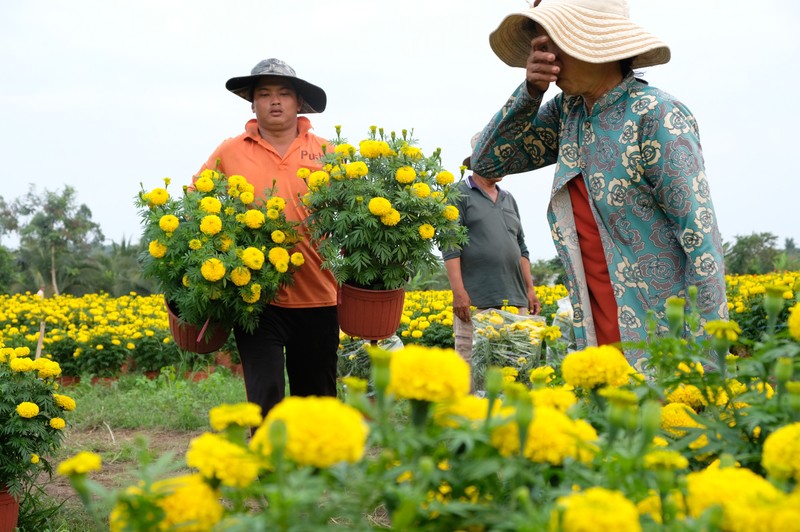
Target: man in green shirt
[493, 269]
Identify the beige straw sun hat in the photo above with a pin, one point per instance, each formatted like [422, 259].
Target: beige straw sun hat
[595, 31]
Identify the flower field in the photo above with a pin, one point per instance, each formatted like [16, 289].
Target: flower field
[100, 335]
[706, 438]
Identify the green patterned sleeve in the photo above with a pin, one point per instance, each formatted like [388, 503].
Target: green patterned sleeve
[522, 136]
[673, 165]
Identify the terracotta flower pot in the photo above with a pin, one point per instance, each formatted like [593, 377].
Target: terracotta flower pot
[9, 511]
[205, 339]
[370, 314]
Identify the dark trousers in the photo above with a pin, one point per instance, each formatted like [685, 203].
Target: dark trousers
[310, 339]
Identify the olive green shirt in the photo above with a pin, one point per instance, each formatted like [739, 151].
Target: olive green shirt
[490, 261]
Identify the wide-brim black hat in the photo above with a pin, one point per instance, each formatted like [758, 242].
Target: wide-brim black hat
[314, 98]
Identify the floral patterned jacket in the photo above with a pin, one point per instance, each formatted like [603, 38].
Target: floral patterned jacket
[639, 154]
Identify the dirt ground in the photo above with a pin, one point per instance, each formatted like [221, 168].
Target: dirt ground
[119, 450]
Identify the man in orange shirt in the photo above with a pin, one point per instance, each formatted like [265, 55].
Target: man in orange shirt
[302, 320]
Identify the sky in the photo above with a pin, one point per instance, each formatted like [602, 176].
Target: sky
[108, 96]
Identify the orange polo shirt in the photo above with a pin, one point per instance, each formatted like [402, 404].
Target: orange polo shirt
[254, 158]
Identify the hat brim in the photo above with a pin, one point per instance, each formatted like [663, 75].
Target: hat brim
[582, 33]
[314, 98]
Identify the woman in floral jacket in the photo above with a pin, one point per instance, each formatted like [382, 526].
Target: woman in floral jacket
[630, 210]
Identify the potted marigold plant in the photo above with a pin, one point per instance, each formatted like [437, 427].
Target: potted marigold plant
[377, 212]
[31, 424]
[218, 254]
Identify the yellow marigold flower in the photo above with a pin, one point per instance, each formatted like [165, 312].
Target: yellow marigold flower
[651, 505]
[509, 373]
[317, 179]
[426, 231]
[451, 213]
[157, 196]
[665, 459]
[374, 148]
[185, 280]
[794, 321]
[240, 276]
[218, 459]
[130, 345]
[781, 453]
[209, 173]
[278, 236]
[468, 409]
[559, 398]
[549, 333]
[253, 219]
[689, 368]
[204, 184]
[405, 175]
[247, 197]
[168, 223]
[320, 431]
[552, 437]
[428, 374]
[211, 225]
[210, 205]
[722, 329]
[421, 190]
[241, 414]
[444, 178]
[676, 417]
[195, 244]
[27, 409]
[391, 218]
[727, 487]
[253, 258]
[225, 243]
[303, 173]
[298, 259]
[277, 203]
[356, 170]
[412, 152]
[379, 206]
[46, 368]
[236, 180]
[345, 150]
[687, 394]
[282, 266]
[253, 295]
[213, 270]
[65, 402]
[596, 366]
[595, 509]
[354, 384]
[188, 502]
[337, 172]
[34, 458]
[58, 423]
[80, 464]
[278, 254]
[618, 396]
[273, 214]
[157, 249]
[543, 374]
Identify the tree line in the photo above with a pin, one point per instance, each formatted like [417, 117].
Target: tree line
[62, 250]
